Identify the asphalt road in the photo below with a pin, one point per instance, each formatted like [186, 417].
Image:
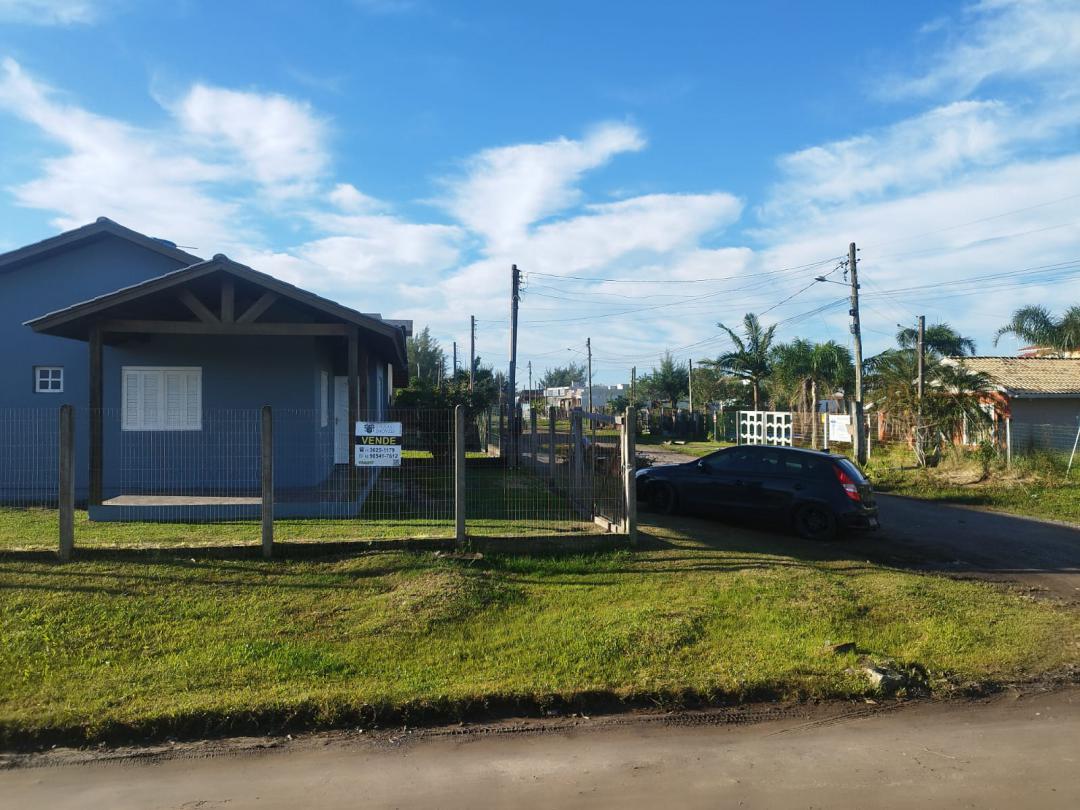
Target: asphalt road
[1011, 752]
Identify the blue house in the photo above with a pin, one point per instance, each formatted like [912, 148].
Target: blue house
[167, 359]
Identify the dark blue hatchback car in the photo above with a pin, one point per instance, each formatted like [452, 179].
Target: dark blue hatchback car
[818, 493]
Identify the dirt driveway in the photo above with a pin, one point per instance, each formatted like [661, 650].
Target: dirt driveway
[1045, 556]
[957, 539]
[1013, 751]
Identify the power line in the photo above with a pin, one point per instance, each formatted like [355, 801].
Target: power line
[974, 221]
[707, 280]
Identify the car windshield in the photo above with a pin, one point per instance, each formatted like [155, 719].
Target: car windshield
[853, 472]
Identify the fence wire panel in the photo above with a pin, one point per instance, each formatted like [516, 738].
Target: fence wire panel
[415, 499]
[208, 474]
[316, 475]
[559, 481]
[29, 453]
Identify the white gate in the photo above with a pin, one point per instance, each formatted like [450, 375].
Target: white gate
[765, 427]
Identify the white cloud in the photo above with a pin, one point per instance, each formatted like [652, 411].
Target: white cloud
[48, 12]
[350, 199]
[280, 142]
[508, 188]
[109, 168]
[1011, 39]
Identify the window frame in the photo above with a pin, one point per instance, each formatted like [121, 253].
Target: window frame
[161, 426]
[37, 380]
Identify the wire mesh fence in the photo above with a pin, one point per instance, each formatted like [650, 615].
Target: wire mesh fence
[205, 485]
[29, 448]
[553, 475]
[205, 475]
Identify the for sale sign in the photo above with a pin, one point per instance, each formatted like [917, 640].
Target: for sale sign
[378, 444]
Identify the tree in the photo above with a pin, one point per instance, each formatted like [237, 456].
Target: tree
[618, 403]
[427, 360]
[563, 376]
[1038, 327]
[668, 383]
[803, 370]
[750, 358]
[951, 394]
[940, 338]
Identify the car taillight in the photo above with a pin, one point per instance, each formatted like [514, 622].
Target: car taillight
[850, 489]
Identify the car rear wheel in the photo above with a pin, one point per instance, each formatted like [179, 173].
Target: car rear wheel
[662, 498]
[815, 522]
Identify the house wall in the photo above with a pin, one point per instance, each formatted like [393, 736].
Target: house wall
[1044, 423]
[41, 285]
[239, 376]
[51, 283]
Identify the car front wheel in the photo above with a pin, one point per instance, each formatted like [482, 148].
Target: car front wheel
[815, 522]
[662, 498]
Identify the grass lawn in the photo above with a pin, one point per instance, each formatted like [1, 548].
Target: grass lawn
[416, 505]
[696, 449]
[126, 644]
[1035, 486]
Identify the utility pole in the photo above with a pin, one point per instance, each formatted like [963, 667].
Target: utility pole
[588, 351]
[920, 358]
[633, 387]
[858, 437]
[530, 378]
[455, 359]
[472, 349]
[690, 385]
[515, 297]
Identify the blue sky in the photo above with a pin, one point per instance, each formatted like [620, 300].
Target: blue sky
[398, 155]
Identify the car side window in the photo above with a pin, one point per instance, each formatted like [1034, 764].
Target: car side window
[737, 458]
[781, 462]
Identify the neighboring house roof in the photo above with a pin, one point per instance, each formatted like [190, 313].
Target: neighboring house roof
[74, 321]
[1028, 376]
[103, 226]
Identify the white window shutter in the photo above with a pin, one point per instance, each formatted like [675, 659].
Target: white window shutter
[131, 420]
[150, 406]
[174, 399]
[161, 398]
[193, 400]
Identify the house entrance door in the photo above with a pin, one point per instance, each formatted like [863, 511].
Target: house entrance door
[341, 420]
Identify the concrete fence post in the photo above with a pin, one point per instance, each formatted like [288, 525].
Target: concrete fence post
[552, 413]
[459, 475]
[629, 454]
[66, 489]
[1008, 441]
[267, 479]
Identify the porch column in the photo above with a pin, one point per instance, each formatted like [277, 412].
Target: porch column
[353, 373]
[95, 367]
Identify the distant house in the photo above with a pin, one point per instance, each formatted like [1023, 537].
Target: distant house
[1040, 396]
[566, 398]
[168, 357]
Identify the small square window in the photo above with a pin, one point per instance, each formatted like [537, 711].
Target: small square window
[49, 379]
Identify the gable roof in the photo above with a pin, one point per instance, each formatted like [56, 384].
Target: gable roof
[74, 321]
[103, 226]
[1028, 376]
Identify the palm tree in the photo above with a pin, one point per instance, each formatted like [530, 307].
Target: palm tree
[1037, 326]
[801, 367]
[751, 357]
[940, 338]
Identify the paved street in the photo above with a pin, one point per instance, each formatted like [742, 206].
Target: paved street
[1012, 752]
